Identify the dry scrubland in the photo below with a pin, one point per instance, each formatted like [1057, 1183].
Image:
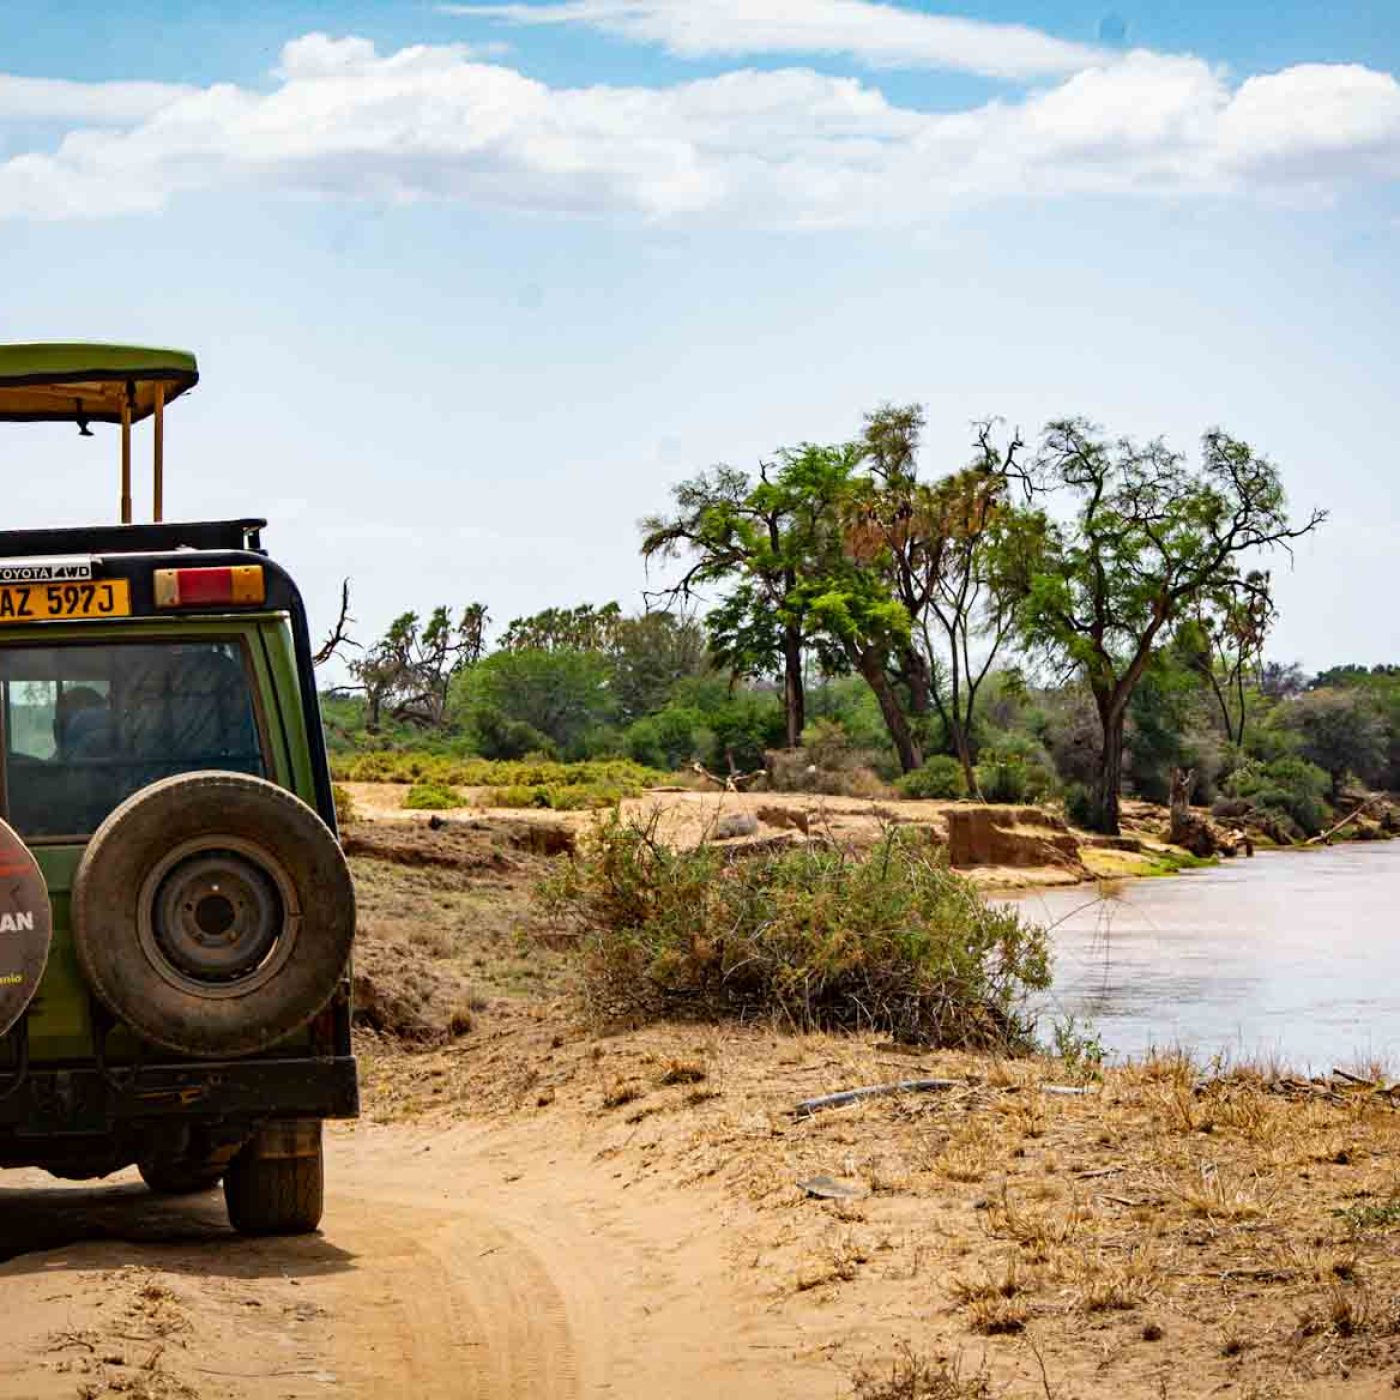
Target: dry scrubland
[1158, 1231]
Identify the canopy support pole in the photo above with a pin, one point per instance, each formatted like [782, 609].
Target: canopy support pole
[126, 457]
[158, 464]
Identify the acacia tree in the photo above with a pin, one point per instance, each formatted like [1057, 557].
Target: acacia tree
[410, 669]
[1234, 623]
[1147, 540]
[584, 628]
[948, 550]
[751, 536]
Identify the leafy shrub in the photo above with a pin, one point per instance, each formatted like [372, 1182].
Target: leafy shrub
[560, 695]
[344, 804]
[577, 797]
[428, 796]
[498, 737]
[817, 939]
[940, 778]
[670, 738]
[828, 762]
[1291, 790]
[1017, 770]
[481, 772]
[1081, 806]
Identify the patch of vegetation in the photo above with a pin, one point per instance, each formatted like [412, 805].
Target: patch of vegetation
[344, 804]
[429, 796]
[417, 765]
[891, 941]
[1382, 1216]
[939, 780]
[1170, 862]
[912, 1377]
[1289, 789]
[568, 797]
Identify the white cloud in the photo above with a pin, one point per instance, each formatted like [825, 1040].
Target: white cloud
[880, 34]
[107, 104]
[792, 148]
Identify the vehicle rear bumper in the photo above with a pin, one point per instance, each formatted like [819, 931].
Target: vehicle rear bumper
[86, 1100]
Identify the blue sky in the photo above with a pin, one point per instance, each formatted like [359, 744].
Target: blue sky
[471, 291]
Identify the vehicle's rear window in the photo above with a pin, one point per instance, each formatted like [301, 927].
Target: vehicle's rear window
[85, 726]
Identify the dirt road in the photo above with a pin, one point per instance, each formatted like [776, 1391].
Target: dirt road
[451, 1265]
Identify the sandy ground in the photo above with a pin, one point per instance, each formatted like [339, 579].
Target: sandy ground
[520, 1217]
[533, 1209]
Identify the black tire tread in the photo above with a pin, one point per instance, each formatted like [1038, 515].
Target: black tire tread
[275, 1195]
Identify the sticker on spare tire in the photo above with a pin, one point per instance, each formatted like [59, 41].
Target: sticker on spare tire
[26, 927]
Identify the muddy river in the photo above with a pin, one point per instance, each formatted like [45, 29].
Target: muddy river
[1291, 956]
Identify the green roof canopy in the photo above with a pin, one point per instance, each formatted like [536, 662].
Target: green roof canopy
[79, 383]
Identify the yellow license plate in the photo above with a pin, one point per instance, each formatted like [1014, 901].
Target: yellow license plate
[57, 602]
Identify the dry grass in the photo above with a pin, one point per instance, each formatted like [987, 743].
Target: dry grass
[910, 1376]
[1231, 1227]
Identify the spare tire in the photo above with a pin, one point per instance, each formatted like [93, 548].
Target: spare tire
[213, 913]
[26, 925]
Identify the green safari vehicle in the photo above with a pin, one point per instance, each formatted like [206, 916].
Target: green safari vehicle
[176, 915]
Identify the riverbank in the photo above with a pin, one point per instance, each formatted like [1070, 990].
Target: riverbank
[1001, 848]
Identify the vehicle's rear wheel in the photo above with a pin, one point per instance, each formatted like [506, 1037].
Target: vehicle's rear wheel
[213, 913]
[179, 1176]
[276, 1184]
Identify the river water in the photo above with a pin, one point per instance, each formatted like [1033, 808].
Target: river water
[1293, 956]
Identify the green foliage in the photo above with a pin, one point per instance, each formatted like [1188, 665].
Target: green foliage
[566, 797]
[561, 695]
[1081, 806]
[671, 738]
[1150, 542]
[1079, 1048]
[447, 771]
[816, 939]
[940, 779]
[828, 762]
[1341, 732]
[429, 796]
[344, 804]
[1171, 725]
[1291, 790]
[582, 628]
[651, 656]
[743, 724]
[1015, 769]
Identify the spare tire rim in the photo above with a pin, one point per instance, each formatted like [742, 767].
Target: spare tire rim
[218, 916]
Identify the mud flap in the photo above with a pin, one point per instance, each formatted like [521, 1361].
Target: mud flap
[26, 927]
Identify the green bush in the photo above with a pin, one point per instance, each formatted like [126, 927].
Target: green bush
[498, 737]
[828, 762]
[1081, 806]
[1017, 770]
[811, 938]
[670, 738]
[344, 804]
[577, 797]
[430, 796]
[482, 772]
[1292, 790]
[940, 778]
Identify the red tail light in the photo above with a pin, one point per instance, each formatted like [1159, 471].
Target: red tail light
[202, 588]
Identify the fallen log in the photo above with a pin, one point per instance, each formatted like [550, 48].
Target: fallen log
[874, 1091]
[1350, 817]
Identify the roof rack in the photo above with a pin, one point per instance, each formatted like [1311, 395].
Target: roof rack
[133, 539]
[81, 383]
